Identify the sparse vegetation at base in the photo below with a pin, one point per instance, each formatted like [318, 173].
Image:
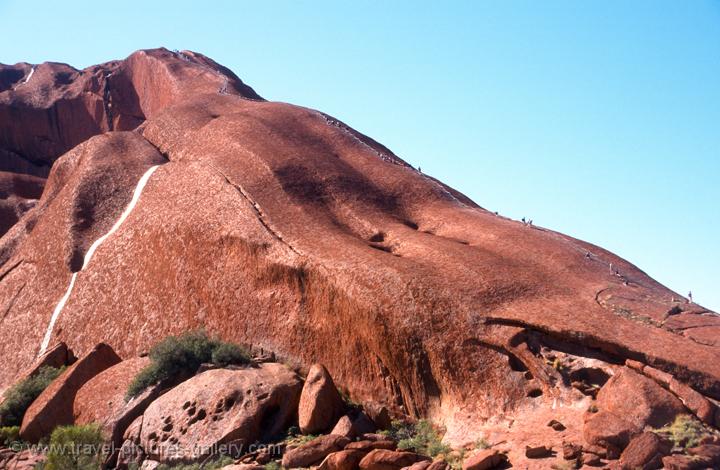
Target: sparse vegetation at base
[182, 355]
[21, 395]
[684, 432]
[9, 434]
[272, 465]
[75, 448]
[294, 436]
[421, 437]
[212, 465]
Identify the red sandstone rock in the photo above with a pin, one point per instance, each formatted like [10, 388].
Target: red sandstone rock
[694, 401]
[367, 446]
[26, 459]
[57, 356]
[220, 406]
[438, 464]
[280, 226]
[645, 452]
[320, 403]
[484, 460]
[102, 400]
[605, 428]
[422, 465]
[538, 452]
[381, 459]
[700, 458]
[348, 459]
[314, 451]
[130, 453]
[378, 413]
[571, 451]
[54, 406]
[18, 194]
[627, 403]
[709, 453]
[344, 427]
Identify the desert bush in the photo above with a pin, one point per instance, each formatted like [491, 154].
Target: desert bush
[295, 437]
[273, 465]
[75, 448]
[182, 356]
[226, 354]
[684, 432]
[422, 437]
[21, 395]
[9, 434]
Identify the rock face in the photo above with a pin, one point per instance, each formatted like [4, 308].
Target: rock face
[381, 459]
[645, 451]
[102, 400]
[343, 460]
[18, 194]
[220, 406]
[281, 227]
[314, 451]
[627, 403]
[484, 460]
[54, 406]
[320, 403]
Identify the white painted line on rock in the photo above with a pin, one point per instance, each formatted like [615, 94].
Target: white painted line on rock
[32, 71]
[88, 256]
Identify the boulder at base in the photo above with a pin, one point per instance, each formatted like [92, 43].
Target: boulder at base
[102, 399]
[343, 460]
[381, 459]
[54, 406]
[314, 452]
[220, 406]
[627, 403]
[320, 403]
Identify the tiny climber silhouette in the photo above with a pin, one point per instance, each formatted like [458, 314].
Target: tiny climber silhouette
[690, 297]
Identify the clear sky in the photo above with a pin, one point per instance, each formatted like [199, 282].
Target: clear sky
[600, 119]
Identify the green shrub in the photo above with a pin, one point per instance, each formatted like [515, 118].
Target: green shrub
[20, 396]
[226, 354]
[182, 356]
[421, 437]
[75, 448]
[481, 443]
[293, 436]
[9, 434]
[684, 432]
[273, 466]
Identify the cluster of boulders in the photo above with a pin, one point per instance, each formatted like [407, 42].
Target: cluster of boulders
[218, 411]
[266, 412]
[636, 416]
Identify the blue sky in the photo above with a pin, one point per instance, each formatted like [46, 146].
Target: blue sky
[600, 119]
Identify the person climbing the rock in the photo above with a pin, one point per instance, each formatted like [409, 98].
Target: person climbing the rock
[523, 221]
[690, 297]
[419, 170]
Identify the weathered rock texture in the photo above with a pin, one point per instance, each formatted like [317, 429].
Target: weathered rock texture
[280, 226]
[320, 402]
[220, 407]
[54, 406]
[102, 400]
